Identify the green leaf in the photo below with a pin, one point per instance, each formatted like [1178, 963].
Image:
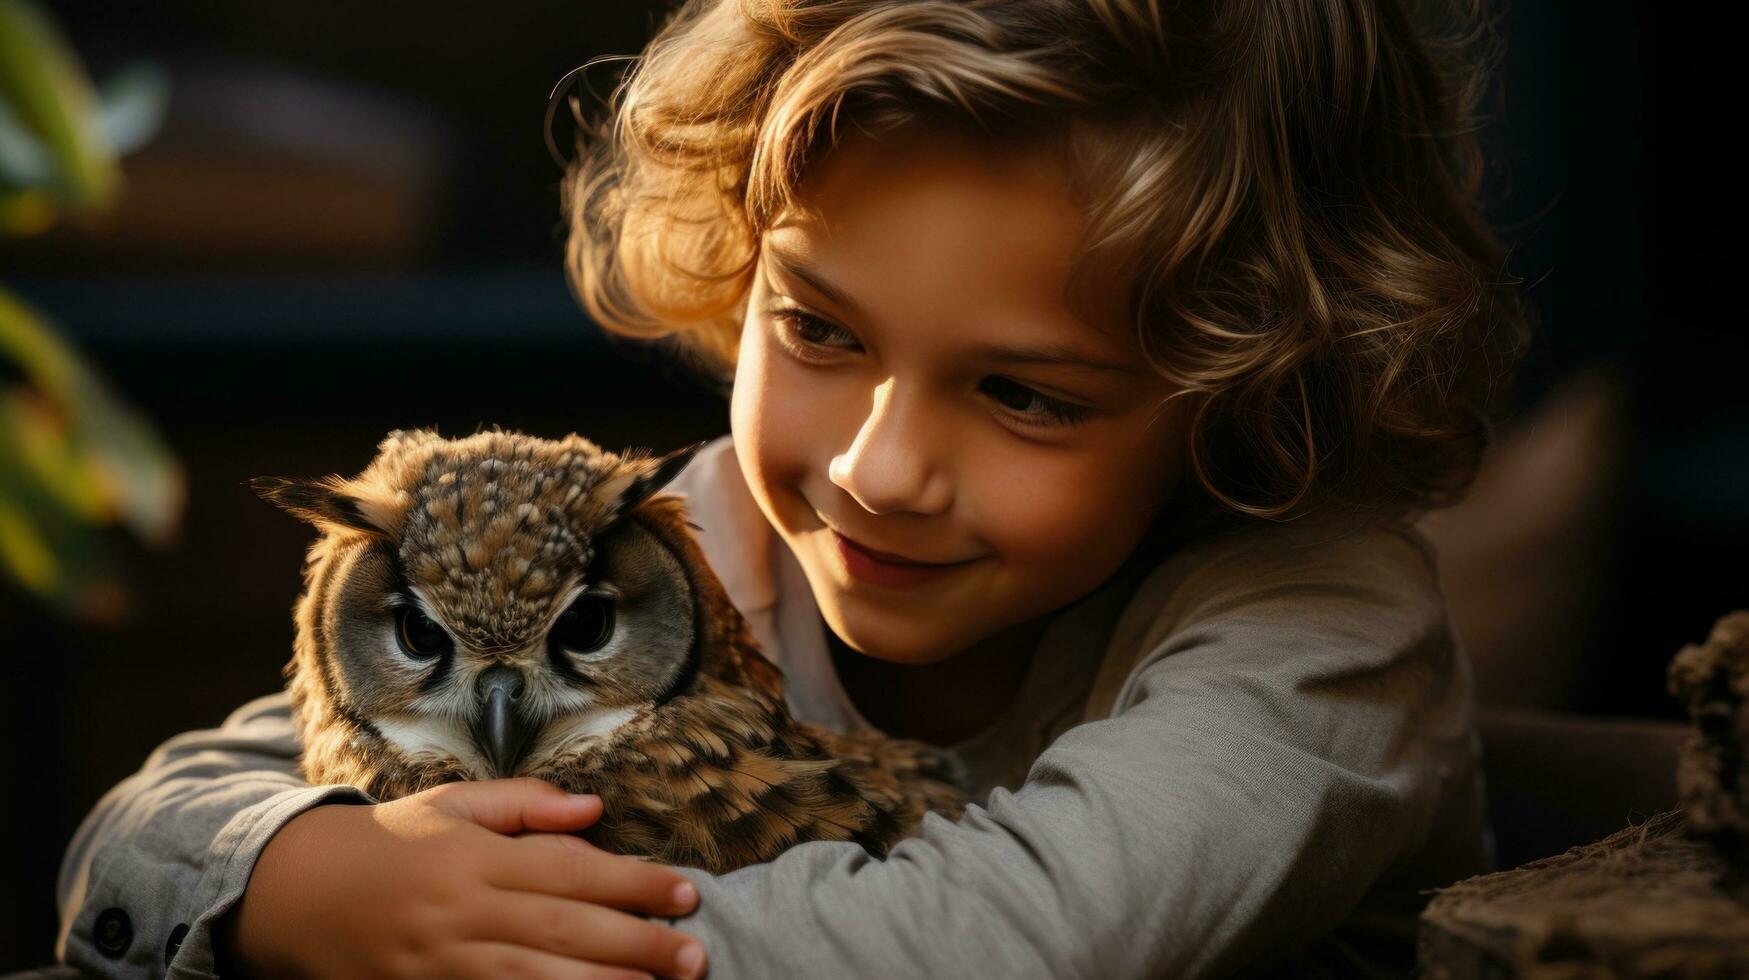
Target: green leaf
[44, 358]
[24, 554]
[50, 94]
[74, 441]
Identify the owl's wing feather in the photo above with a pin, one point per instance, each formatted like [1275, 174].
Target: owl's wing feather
[727, 778]
[924, 773]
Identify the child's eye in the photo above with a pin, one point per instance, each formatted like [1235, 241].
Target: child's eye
[801, 330]
[1033, 407]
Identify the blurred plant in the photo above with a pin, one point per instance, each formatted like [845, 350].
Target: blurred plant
[73, 457]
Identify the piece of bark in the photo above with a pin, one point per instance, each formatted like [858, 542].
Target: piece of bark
[1712, 774]
[1668, 898]
[1647, 901]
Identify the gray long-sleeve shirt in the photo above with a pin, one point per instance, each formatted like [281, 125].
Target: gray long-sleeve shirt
[1251, 756]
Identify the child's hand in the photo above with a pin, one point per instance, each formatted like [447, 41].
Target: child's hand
[433, 885]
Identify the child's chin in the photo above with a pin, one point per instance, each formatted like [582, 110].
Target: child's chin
[887, 635]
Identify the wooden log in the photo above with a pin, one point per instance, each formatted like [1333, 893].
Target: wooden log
[1712, 774]
[1668, 898]
[1647, 901]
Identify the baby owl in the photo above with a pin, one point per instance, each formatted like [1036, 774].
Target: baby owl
[503, 605]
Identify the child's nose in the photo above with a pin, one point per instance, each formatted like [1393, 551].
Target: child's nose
[896, 462]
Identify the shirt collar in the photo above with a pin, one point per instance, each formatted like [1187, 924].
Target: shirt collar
[734, 535]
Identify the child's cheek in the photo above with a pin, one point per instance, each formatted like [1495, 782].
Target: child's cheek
[1058, 509]
[779, 414]
[750, 415]
[1075, 516]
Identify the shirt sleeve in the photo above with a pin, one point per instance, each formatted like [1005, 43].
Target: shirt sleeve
[168, 851]
[1282, 743]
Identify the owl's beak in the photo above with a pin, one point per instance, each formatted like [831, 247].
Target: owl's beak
[500, 728]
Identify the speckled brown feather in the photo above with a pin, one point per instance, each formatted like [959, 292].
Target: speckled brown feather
[726, 778]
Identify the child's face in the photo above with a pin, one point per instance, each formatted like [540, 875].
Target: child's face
[891, 418]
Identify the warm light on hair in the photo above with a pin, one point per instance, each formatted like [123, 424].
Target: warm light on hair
[1287, 186]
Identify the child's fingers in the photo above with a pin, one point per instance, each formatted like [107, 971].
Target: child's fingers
[585, 931]
[505, 960]
[511, 805]
[578, 869]
[570, 842]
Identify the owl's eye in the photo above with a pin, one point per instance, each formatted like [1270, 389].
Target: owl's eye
[586, 625]
[419, 635]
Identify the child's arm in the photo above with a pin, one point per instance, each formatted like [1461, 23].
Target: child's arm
[150, 863]
[1286, 740]
[160, 864]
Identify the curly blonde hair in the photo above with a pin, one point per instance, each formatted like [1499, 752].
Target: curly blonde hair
[1288, 188]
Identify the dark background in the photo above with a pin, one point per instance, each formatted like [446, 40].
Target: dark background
[350, 224]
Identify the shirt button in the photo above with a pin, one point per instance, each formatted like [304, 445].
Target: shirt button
[114, 933]
[175, 942]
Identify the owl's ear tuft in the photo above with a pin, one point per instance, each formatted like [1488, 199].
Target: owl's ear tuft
[408, 438]
[641, 487]
[321, 502]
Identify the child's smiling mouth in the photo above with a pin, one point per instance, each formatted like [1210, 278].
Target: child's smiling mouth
[884, 568]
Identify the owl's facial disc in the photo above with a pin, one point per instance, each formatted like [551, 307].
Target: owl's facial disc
[549, 640]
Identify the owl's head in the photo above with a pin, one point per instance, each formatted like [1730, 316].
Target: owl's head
[489, 601]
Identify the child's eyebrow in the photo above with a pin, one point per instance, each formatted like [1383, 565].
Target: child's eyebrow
[1061, 355]
[821, 286]
[1055, 354]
